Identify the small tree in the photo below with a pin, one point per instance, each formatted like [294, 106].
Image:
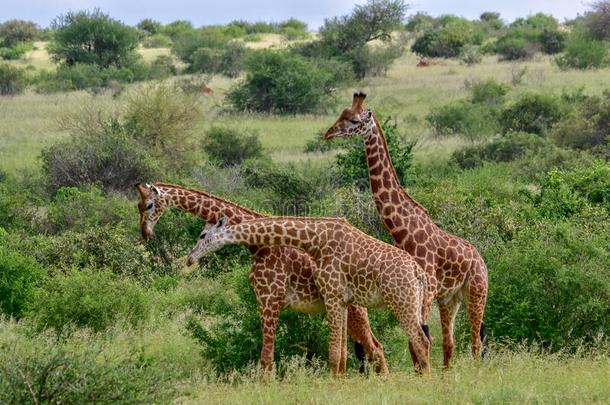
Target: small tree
[344, 37]
[230, 147]
[149, 26]
[598, 20]
[15, 31]
[92, 38]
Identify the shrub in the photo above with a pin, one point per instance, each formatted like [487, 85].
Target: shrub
[12, 80]
[233, 340]
[52, 372]
[507, 148]
[533, 113]
[549, 285]
[291, 191]
[110, 158]
[162, 67]
[87, 299]
[157, 41]
[513, 48]
[16, 51]
[161, 117]
[92, 38]
[465, 118]
[597, 21]
[13, 32]
[19, 275]
[582, 52]
[109, 247]
[471, 55]
[149, 26]
[227, 61]
[552, 41]
[281, 82]
[444, 41]
[586, 126]
[490, 92]
[352, 163]
[230, 147]
[565, 193]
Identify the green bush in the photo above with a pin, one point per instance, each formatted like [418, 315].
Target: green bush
[87, 299]
[564, 193]
[149, 26]
[490, 92]
[230, 147]
[13, 32]
[16, 51]
[445, 41]
[465, 118]
[92, 38]
[233, 340]
[111, 159]
[587, 125]
[157, 41]
[110, 247]
[533, 113]
[352, 164]
[227, 61]
[12, 80]
[549, 285]
[513, 48]
[582, 52]
[162, 67]
[282, 82]
[505, 149]
[19, 275]
[51, 372]
[552, 42]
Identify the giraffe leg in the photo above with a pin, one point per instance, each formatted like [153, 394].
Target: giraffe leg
[448, 312]
[335, 313]
[477, 297]
[425, 311]
[270, 302]
[360, 331]
[343, 367]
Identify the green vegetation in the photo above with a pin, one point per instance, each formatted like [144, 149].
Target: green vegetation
[518, 165]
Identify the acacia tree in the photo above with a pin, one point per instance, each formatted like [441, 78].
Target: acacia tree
[92, 38]
[347, 36]
[15, 31]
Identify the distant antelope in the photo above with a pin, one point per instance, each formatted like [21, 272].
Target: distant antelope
[205, 89]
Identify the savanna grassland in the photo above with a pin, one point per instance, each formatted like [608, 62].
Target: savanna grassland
[91, 313]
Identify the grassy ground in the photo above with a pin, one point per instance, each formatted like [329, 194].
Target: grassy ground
[522, 377]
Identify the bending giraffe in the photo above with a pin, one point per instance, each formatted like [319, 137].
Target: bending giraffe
[353, 268]
[455, 268]
[281, 277]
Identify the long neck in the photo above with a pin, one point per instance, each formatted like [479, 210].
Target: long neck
[385, 185]
[300, 233]
[206, 206]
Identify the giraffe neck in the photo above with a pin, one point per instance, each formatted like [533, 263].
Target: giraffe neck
[305, 234]
[384, 181]
[204, 205]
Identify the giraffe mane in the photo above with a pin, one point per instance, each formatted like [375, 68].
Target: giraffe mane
[384, 144]
[208, 195]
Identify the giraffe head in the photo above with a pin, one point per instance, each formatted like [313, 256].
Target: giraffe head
[151, 207]
[212, 238]
[353, 121]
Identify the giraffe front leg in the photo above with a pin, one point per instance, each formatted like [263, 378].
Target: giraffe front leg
[336, 313]
[477, 297]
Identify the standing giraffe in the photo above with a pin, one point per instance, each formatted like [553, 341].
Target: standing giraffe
[455, 268]
[353, 268]
[281, 277]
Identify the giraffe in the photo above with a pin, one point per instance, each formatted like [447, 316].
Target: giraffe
[352, 268]
[281, 277]
[455, 268]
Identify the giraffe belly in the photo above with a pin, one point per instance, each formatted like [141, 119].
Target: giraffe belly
[304, 303]
[371, 297]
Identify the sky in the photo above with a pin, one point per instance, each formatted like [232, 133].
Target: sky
[313, 12]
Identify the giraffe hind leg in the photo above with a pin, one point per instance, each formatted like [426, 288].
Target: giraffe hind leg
[484, 344]
[361, 356]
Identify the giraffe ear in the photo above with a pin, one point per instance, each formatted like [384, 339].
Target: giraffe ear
[222, 222]
[368, 114]
[155, 190]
